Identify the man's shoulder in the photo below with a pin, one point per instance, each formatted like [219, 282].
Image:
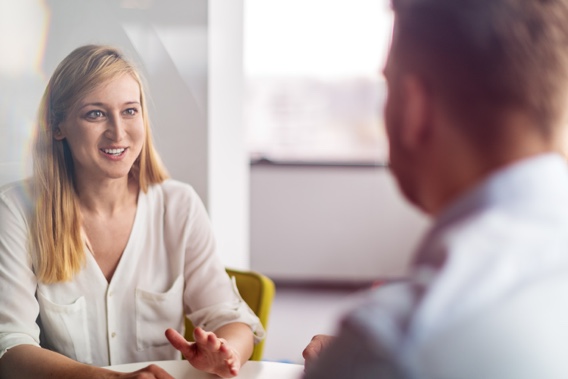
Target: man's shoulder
[500, 231]
[526, 201]
[524, 335]
[479, 261]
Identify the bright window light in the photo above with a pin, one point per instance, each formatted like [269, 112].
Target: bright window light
[314, 90]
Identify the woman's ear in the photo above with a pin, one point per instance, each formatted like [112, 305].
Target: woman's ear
[58, 134]
[417, 112]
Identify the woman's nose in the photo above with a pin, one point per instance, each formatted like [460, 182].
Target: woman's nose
[115, 128]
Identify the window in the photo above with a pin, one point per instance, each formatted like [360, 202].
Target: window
[314, 89]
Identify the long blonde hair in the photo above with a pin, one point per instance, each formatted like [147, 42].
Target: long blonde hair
[55, 232]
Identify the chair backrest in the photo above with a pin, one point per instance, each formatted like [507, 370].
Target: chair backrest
[257, 290]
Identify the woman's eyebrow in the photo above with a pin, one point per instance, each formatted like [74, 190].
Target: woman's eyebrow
[100, 104]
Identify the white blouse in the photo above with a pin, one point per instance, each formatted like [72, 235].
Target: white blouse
[168, 269]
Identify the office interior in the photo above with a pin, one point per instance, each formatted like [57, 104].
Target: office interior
[271, 110]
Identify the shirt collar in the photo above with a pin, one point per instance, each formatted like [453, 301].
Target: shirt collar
[538, 182]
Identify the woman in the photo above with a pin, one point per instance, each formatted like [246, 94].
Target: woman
[100, 253]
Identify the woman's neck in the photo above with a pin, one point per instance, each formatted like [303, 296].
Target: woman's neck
[107, 197]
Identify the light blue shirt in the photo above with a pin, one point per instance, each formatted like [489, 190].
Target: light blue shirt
[488, 297]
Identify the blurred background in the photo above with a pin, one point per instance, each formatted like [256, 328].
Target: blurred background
[271, 109]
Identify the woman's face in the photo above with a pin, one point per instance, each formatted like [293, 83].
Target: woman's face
[105, 130]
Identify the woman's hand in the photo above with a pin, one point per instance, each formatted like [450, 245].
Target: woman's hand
[208, 353]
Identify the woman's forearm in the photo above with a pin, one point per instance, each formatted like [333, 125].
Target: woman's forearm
[240, 337]
[29, 361]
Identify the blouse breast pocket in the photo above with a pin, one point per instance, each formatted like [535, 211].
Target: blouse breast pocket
[65, 328]
[157, 311]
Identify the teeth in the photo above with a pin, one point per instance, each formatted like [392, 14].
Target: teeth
[114, 151]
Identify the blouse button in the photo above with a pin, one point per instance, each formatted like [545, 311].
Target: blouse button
[113, 334]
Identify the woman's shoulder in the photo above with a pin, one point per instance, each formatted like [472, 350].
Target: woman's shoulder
[174, 192]
[16, 192]
[173, 187]
[10, 187]
[17, 196]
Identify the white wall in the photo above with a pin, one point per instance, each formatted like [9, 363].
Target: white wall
[181, 47]
[330, 224]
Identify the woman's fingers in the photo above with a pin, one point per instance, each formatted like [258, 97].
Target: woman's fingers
[210, 341]
[213, 343]
[200, 335]
[231, 362]
[180, 343]
[208, 353]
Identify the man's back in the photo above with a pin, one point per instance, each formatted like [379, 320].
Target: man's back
[499, 260]
[488, 298]
[523, 337]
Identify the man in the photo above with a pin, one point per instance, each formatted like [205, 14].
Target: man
[475, 117]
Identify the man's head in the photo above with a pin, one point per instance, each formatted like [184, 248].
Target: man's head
[485, 69]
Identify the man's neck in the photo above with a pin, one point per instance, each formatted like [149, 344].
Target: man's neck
[471, 164]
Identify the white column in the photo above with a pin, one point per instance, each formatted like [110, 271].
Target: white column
[228, 166]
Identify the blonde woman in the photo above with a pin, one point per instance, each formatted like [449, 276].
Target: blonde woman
[101, 255]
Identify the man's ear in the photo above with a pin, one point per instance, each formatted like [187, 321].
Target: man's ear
[417, 112]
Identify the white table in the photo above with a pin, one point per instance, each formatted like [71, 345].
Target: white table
[251, 370]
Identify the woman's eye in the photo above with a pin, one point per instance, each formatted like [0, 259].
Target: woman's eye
[131, 112]
[93, 115]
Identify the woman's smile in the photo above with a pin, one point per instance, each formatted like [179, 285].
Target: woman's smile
[114, 153]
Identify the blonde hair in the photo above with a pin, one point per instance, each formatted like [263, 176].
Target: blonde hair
[56, 236]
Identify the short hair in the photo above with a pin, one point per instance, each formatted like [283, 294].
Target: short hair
[55, 232]
[484, 57]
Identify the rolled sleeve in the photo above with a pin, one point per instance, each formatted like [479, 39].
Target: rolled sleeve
[10, 340]
[218, 315]
[211, 299]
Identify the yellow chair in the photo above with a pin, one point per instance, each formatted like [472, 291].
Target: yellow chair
[257, 291]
